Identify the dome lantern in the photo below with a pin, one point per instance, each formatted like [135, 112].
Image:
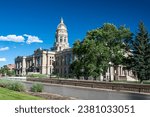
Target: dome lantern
[61, 25]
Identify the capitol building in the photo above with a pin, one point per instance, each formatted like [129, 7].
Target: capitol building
[58, 59]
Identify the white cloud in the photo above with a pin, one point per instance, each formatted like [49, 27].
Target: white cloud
[32, 39]
[4, 48]
[21, 38]
[2, 59]
[13, 38]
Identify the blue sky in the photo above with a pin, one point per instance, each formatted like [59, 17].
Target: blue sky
[26, 25]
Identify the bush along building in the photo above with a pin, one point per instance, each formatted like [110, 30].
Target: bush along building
[58, 59]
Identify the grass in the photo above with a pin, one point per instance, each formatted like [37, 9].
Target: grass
[134, 82]
[6, 94]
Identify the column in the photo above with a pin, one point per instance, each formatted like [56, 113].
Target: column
[112, 73]
[101, 77]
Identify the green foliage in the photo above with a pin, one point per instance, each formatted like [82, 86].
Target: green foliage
[75, 68]
[12, 85]
[10, 73]
[136, 82]
[146, 82]
[16, 86]
[5, 71]
[99, 48]
[5, 83]
[37, 76]
[37, 88]
[139, 59]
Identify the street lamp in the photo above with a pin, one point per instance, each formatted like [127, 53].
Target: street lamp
[109, 71]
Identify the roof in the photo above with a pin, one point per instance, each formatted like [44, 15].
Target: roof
[61, 25]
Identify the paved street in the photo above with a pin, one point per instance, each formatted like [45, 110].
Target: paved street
[90, 94]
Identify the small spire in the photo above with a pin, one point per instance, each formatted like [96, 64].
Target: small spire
[61, 21]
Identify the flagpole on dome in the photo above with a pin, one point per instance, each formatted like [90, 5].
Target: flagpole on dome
[62, 21]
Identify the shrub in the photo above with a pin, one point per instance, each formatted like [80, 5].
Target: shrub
[4, 83]
[146, 82]
[16, 86]
[12, 85]
[37, 87]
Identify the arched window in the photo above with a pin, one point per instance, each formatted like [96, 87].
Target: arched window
[64, 39]
[60, 38]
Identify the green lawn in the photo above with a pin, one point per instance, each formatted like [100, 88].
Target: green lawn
[136, 82]
[6, 94]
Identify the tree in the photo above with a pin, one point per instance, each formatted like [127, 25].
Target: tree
[112, 44]
[113, 39]
[139, 59]
[85, 63]
[99, 47]
[10, 73]
[75, 69]
[5, 71]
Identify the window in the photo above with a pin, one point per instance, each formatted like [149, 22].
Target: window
[30, 63]
[38, 61]
[60, 38]
[65, 60]
[50, 70]
[65, 70]
[70, 61]
[61, 70]
[64, 39]
[61, 60]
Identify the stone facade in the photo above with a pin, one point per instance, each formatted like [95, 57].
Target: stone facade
[63, 59]
[58, 60]
[20, 63]
[44, 60]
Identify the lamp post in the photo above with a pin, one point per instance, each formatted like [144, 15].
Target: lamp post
[109, 71]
